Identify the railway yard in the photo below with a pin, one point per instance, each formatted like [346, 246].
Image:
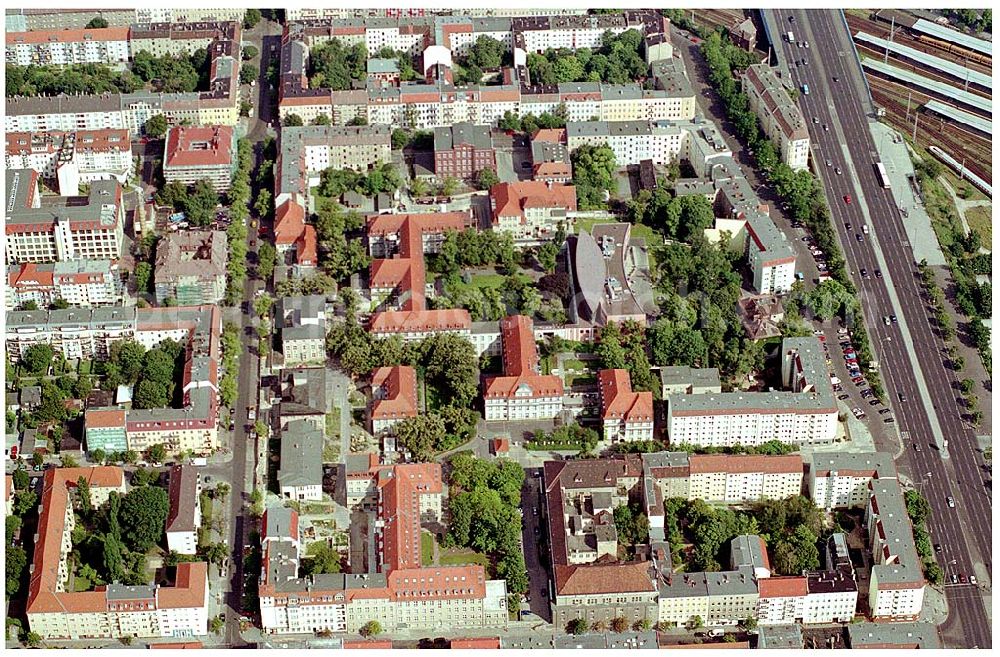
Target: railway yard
[904, 104]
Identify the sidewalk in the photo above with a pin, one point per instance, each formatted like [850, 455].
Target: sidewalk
[895, 154]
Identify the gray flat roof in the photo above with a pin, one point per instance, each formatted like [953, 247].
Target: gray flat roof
[898, 533]
[922, 635]
[943, 65]
[780, 637]
[875, 461]
[301, 455]
[953, 36]
[909, 77]
[683, 375]
[977, 122]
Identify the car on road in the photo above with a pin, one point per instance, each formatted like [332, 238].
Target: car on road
[807, 44]
[791, 19]
[842, 397]
[893, 319]
[972, 579]
[962, 579]
[916, 446]
[937, 547]
[858, 237]
[878, 273]
[864, 273]
[954, 578]
[847, 199]
[836, 79]
[886, 321]
[874, 402]
[829, 163]
[951, 502]
[838, 171]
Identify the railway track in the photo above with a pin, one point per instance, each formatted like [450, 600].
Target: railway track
[932, 129]
[908, 65]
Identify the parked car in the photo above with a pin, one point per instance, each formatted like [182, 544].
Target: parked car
[951, 502]
[847, 199]
[884, 411]
[842, 397]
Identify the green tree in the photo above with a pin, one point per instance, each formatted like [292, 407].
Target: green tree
[419, 435]
[486, 178]
[158, 453]
[577, 626]
[292, 120]
[266, 259]
[696, 623]
[449, 186]
[96, 23]
[594, 170]
[142, 517]
[150, 394]
[321, 558]
[32, 639]
[21, 479]
[249, 52]
[547, 254]
[25, 501]
[83, 492]
[251, 17]
[248, 74]
[370, 629]
[37, 358]
[16, 561]
[144, 477]
[917, 507]
[619, 624]
[156, 126]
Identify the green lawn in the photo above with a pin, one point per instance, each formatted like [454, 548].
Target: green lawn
[573, 364]
[426, 549]
[333, 422]
[580, 379]
[480, 281]
[963, 188]
[463, 558]
[981, 220]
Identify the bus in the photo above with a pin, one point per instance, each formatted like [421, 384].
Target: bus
[883, 177]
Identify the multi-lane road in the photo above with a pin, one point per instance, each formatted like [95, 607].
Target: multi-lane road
[911, 356]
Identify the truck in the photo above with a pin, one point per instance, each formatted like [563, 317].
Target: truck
[251, 413]
[791, 37]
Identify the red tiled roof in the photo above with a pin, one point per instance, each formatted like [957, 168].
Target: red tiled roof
[289, 223]
[400, 388]
[305, 247]
[510, 199]
[619, 402]
[199, 146]
[552, 170]
[520, 354]
[102, 419]
[508, 386]
[406, 321]
[599, 578]
[550, 135]
[789, 463]
[186, 645]
[783, 587]
[69, 36]
[390, 273]
[378, 644]
[401, 487]
[489, 643]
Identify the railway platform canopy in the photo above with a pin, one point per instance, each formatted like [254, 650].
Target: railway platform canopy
[946, 90]
[957, 71]
[955, 114]
[952, 36]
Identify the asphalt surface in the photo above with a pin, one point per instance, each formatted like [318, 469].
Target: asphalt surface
[957, 472]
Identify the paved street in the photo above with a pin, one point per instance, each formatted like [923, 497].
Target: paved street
[911, 355]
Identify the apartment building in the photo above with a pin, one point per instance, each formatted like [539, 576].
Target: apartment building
[109, 611]
[175, 39]
[219, 105]
[108, 45]
[73, 158]
[394, 397]
[82, 283]
[896, 584]
[583, 587]
[626, 416]
[832, 596]
[550, 156]
[300, 473]
[779, 115]
[397, 592]
[73, 333]
[718, 598]
[415, 325]
[684, 380]
[293, 236]
[301, 322]
[195, 426]
[62, 228]
[184, 517]
[631, 141]
[900, 636]
[532, 211]
[191, 267]
[841, 480]
[23, 20]
[191, 154]
[104, 429]
[342, 147]
[720, 478]
[463, 150]
[782, 600]
[304, 397]
[521, 393]
[803, 414]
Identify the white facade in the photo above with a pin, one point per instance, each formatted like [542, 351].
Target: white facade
[834, 607]
[751, 427]
[780, 116]
[83, 47]
[742, 487]
[894, 602]
[631, 142]
[781, 610]
[523, 405]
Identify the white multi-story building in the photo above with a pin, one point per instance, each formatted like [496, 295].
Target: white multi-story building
[342, 147]
[532, 211]
[521, 393]
[394, 397]
[302, 324]
[82, 283]
[832, 596]
[192, 154]
[896, 585]
[841, 480]
[779, 114]
[805, 414]
[782, 600]
[73, 158]
[719, 478]
[184, 518]
[64, 228]
[631, 141]
[107, 45]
